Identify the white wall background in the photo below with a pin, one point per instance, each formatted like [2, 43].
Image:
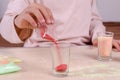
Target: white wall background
[109, 9]
[3, 6]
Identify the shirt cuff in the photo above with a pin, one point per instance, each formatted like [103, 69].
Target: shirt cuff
[8, 30]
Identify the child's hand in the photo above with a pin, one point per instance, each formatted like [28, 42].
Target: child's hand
[116, 44]
[32, 15]
[95, 42]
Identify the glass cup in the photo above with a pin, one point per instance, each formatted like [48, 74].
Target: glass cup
[105, 46]
[61, 56]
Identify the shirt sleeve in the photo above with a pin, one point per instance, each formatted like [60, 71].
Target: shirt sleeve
[7, 28]
[96, 22]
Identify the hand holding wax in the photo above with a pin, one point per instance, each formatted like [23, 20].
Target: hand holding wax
[29, 19]
[32, 15]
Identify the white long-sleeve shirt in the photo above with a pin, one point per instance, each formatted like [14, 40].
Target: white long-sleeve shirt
[76, 22]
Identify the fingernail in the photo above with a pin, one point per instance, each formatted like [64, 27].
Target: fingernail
[49, 21]
[35, 24]
[52, 21]
[42, 21]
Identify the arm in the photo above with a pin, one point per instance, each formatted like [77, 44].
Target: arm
[97, 26]
[7, 27]
[96, 23]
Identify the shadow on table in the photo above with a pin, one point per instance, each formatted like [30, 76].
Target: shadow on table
[116, 58]
[91, 56]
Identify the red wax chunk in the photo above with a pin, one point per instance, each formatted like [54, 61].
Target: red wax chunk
[61, 67]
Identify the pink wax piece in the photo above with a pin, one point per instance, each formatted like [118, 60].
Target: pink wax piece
[4, 62]
[61, 67]
[48, 37]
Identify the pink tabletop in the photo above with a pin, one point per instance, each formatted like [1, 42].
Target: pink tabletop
[37, 64]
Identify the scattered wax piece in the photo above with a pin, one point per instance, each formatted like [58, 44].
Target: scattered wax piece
[13, 59]
[61, 67]
[5, 59]
[9, 68]
[4, 62]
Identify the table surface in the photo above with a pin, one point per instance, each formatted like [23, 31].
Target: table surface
[37, 64]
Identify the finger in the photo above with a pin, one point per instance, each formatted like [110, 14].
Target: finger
[35, 12]
[44, 13]
[119, 42]
[43, 29]
[116, 45]
[51, 15]
[31, 21]
[95, 42]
